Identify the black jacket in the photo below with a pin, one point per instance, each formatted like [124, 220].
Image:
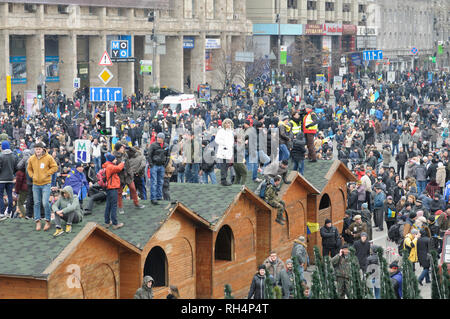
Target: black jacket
[386, 212]
[401, 158]
[423, 247]
[353, 200]
[329, 237]
[258, 287]
[362, 252]
[298, 148]
[158, 155]
[8, 165]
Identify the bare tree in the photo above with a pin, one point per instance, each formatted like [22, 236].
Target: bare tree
[307, 60]
[228, 71]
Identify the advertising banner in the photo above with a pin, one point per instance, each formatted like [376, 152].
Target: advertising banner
[18, 69]
[52, 68]
[204, 94]
[313, 29]
[208, 61]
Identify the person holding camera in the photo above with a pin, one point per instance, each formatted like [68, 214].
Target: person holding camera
[126, 176]
[113, 185]
[342, 265]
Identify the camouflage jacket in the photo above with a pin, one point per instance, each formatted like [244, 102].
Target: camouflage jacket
[341, 266]
[271, 196]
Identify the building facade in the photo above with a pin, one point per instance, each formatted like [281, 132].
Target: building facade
[56, 42]
[398, 27]
[331, 25]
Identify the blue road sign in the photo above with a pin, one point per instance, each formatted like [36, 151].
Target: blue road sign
[105, 94]
[371, 55]
[119, 49]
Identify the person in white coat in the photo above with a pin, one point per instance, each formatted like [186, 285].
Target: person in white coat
[225, 147]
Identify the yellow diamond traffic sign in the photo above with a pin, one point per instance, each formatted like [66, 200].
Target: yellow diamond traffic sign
[105, 76]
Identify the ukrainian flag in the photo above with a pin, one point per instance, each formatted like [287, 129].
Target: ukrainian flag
[312, 227]
[380, 77]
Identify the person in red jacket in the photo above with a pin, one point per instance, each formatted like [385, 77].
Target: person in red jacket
[113, 184]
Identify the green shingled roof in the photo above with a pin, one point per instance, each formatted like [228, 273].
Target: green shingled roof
[139, 224]
[26, 252]
[315, 172]
[208, 201]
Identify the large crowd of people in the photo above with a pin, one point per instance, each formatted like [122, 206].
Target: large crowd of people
[393, 136]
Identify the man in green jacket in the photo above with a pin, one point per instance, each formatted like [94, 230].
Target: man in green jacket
[66, 208]
[271, 198]
[145, 292]
[341, 262]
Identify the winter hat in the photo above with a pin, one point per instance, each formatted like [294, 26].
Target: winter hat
[419, 213]
[422, 219]
[39, 144]
[109, 157]
[431, 218]
[302, 239]
[364, 234]
[394, 264]
[79, 164]
[289, 261]
[364, 205]
[412, 215]
[389, 197]
[247, 122]
[344, 246]
[357, 217]
[261, 267]
[327, 221]
[6, 145]
[161, 135]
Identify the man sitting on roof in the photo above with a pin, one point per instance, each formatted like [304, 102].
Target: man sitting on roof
[271, 198]
[67, 208]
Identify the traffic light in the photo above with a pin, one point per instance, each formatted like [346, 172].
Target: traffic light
[151, 16]
[101, 122]
[39, 91]
[105, 123]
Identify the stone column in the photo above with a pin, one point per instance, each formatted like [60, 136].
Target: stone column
[198, 73]
[148, 55]
[97, 46]
[35, 53]
[68, 63]
[320, 11]
[171, 64]
[4, 63]
[125, 74]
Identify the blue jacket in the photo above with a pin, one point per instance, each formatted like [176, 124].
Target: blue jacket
[399, 278]
[379, 114]
[78, 182]
[379, 200]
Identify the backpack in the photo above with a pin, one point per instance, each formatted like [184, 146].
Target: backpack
[394, 233]
[261, 190]
[101, 178]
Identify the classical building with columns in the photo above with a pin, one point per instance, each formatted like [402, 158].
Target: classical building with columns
[58, 41]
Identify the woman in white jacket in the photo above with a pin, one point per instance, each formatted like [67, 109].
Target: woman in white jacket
[225, 141]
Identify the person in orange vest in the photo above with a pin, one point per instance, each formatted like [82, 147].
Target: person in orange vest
[310, 129]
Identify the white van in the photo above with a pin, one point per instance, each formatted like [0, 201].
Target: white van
[180, 103]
